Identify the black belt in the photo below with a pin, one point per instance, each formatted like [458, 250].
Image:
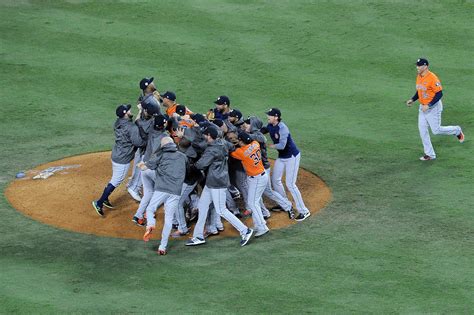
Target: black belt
[263, 173]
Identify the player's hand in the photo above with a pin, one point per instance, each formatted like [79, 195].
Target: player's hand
[179, 132]
[409, 102]
[424, 108]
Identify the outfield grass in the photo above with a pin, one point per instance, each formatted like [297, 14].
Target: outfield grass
[398, 235]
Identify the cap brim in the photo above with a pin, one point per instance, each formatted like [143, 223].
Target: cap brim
[128, 106]
[151, 79]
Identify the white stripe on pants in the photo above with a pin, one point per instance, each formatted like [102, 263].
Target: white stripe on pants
[257, 185]
[217, 197]
[171, 203]
[432, 118]
[119, 171]
[148, 180]
[290, 166]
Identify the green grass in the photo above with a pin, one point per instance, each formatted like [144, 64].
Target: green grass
[398, 234]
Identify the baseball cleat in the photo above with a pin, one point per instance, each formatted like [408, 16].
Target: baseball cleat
[276, 208]
[195, 241]
[162, 252]
[302, 217]
[108, 204]
[291, 214]
[460, 137]
[262, 232]
[246, 238]
[427, 158]
[138, 221]
[134, 194]
[97, 208]
[147, 235]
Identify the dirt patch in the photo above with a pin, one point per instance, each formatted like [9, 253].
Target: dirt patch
[64, 199]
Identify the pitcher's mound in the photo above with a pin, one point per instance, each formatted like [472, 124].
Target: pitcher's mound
[64, 198]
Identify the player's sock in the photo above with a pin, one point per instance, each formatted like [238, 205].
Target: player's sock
[105, 195]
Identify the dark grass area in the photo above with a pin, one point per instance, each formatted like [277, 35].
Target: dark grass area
[398, 234]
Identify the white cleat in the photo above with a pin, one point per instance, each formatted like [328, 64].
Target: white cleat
[134, 194]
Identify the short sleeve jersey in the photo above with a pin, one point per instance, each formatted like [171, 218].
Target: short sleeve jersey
[427, 86]
[251, 158]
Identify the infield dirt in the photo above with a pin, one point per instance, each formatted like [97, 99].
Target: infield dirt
[64, 199]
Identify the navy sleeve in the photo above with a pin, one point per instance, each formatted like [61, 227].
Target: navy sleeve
[436, 98]
[415, 97]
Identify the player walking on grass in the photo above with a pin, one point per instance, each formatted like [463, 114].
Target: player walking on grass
[127, 139]
[288, 161]
[250, 155]
[214, 161]
[429, 93]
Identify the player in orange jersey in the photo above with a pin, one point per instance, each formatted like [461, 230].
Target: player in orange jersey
[250, 155]
[429, 92]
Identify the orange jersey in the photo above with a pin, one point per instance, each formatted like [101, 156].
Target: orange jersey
[172, 109]
[251, 158]
[427, 86]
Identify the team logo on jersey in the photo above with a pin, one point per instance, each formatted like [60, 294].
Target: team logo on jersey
[277, 136]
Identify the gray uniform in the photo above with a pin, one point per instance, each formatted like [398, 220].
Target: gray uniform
[127, 139]
[214, 161]
[170, 169]
[148, 176]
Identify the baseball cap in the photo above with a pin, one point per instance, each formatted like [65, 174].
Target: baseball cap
[211, 131]
[160, 121]
[218, 122]
[181, 110]
[145, 82]
[198, 118]
[221, 100]
[422, 62]
[273, 112]
[235, 113]
[151, 105]
[169, 95]
[247, 121]
[122, 110]
[244, 137]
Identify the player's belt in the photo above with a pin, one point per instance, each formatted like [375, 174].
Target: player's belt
[263, 173]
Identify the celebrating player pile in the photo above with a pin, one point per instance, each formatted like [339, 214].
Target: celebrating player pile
[221, 155]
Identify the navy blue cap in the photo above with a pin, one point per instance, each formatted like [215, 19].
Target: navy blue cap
[235, 113]
[218, 122]
[198, 118]
[422, 62]
[211, 131]
[244, 137]
[160, 122]
[273, 112]
[181, 110]
[145, 82]
[122, 110]
[222, 100]
[169, 95]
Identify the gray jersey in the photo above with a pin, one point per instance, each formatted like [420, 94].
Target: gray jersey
[154, 143]
[170, 166]
[214, 160]
[255, 125]
[127, 139]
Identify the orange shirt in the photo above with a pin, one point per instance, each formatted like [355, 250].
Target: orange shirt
[251, 158]
[427, 86]
[172, 109]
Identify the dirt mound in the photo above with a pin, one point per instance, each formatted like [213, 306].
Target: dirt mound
[64, 199]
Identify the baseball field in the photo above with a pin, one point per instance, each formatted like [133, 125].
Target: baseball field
[397, 235]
